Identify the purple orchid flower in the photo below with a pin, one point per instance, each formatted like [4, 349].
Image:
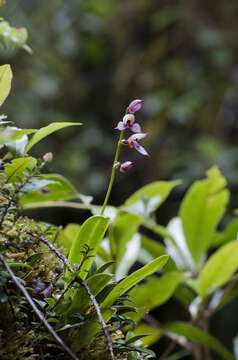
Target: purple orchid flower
[135, 105]
[126, 166]
[132, 141]
[128, 121]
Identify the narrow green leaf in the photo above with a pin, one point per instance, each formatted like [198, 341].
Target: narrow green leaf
[80, 298]
[218, 269]
[154, 292]
[68, 235]
[201, 211]
[133, 279]
[143, 328]
[198, 336]
[5, 82]
[17, 167]
[150, 197]
[91, 234]
[45, 131]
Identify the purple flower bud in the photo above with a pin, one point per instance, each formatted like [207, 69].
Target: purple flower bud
[48, 157]
[126, 166]
[135, 105]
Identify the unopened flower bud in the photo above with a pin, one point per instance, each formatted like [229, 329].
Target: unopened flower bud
[126, 166]
[48, 157]
[135, 105]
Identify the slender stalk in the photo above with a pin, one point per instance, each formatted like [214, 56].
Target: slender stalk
[57, 204]
[114, 168]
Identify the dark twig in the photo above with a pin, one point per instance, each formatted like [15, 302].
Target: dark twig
[85, 285]
[36, 310]
[104, 326]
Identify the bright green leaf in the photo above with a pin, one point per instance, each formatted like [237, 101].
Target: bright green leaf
[91, 234]
[121, 231]
[5, 82]
[47, 130]
[218, 269]
[154, 292]
[150, 197]
[126, 284]
[201, 211]
[198, 336]
[68, 235]
[143, 328]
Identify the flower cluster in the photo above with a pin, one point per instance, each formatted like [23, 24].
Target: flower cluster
[128, 122]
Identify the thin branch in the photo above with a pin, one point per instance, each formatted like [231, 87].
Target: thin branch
[104, 326]
[36, 310]
[85, 285]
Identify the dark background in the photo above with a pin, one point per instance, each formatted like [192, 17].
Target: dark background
[91, 58]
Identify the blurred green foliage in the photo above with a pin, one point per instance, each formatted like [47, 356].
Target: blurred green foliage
[91, 58]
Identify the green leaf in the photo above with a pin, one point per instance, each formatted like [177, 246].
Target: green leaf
[150, 197]
[126, 284]
[47, 130]
[218, 269]
[121, 231]
[5, 82]
[80, 298]
[133, 338]
[89, 329]
[68, 235]
[201, 211]
[14, 171]
[229, 234]
[198, 336]
[91, 234]
[154, 292]
[58, 188]
[143, 328]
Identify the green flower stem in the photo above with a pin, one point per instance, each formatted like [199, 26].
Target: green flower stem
[114, 168]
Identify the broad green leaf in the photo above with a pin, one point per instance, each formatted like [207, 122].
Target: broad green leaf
[201, 211]
[154, 292]
[229, 234]
[14, 171]
[151, 249]
[47, 130]
[126, 284]
[91, 234]
[150, 197]
[89, 329]
[198, 336]
[218, 269]
[5, 82]
[58, 188]
[121, 231]
[185, 294]
[143, 328]
[80, 298]
[68, 235]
